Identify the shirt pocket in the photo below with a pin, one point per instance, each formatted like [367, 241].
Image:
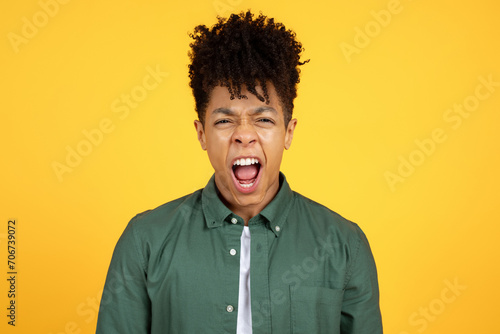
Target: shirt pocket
[315, 310]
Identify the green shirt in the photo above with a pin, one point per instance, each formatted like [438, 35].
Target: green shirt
[175, 270]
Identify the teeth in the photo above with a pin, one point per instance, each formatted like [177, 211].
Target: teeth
[247, 185]
[246, 162]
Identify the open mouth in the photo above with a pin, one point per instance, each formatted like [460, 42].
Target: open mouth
[246, 172]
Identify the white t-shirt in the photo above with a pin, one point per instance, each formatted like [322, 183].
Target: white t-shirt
[244, 322]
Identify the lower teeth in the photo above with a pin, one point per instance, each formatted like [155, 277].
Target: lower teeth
[247, 185]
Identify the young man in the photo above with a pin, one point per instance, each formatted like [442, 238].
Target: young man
[245, 254]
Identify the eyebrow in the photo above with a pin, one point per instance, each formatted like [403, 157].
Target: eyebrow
[259, 110]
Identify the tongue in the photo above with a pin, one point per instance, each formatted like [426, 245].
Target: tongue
[246, 172]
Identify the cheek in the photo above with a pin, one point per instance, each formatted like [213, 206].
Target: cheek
[217, 153]
[272, 139]
[274, 153]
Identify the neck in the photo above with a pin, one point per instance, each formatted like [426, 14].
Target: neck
[250, 210]
[247, 212]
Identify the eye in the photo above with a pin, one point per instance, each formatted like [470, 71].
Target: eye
[265, 120]
[221, 121]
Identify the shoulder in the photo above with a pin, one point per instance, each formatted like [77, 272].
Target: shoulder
[318, 216]
[167, 215]
[345, 237]
[150, 231]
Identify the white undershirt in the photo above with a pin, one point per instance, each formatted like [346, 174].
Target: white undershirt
[244, 323]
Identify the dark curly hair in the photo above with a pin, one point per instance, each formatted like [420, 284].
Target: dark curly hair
[240, 51]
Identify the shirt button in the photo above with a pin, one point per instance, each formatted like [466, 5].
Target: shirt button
[277, 228]
[230, 308]
[234, 220]
[232, 252]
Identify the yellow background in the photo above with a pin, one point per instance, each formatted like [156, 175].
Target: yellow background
[358, 116]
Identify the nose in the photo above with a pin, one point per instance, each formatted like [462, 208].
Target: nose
[245, 134]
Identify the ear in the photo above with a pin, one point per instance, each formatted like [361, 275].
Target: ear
[289, 133]
[200, 131]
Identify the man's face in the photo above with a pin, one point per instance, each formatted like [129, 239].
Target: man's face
[245, 139]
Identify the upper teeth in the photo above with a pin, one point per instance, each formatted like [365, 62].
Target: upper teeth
[246, 162]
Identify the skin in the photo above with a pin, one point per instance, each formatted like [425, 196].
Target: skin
[245, 128]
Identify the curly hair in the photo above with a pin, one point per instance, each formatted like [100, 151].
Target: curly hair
[240, 51]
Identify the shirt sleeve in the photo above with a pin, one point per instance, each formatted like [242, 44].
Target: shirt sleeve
[125, 306]
[360, 307]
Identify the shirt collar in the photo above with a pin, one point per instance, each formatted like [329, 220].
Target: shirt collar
[275, 213]
[214, 210]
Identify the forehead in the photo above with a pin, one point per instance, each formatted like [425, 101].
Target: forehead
[220, 102]
[257, 110]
